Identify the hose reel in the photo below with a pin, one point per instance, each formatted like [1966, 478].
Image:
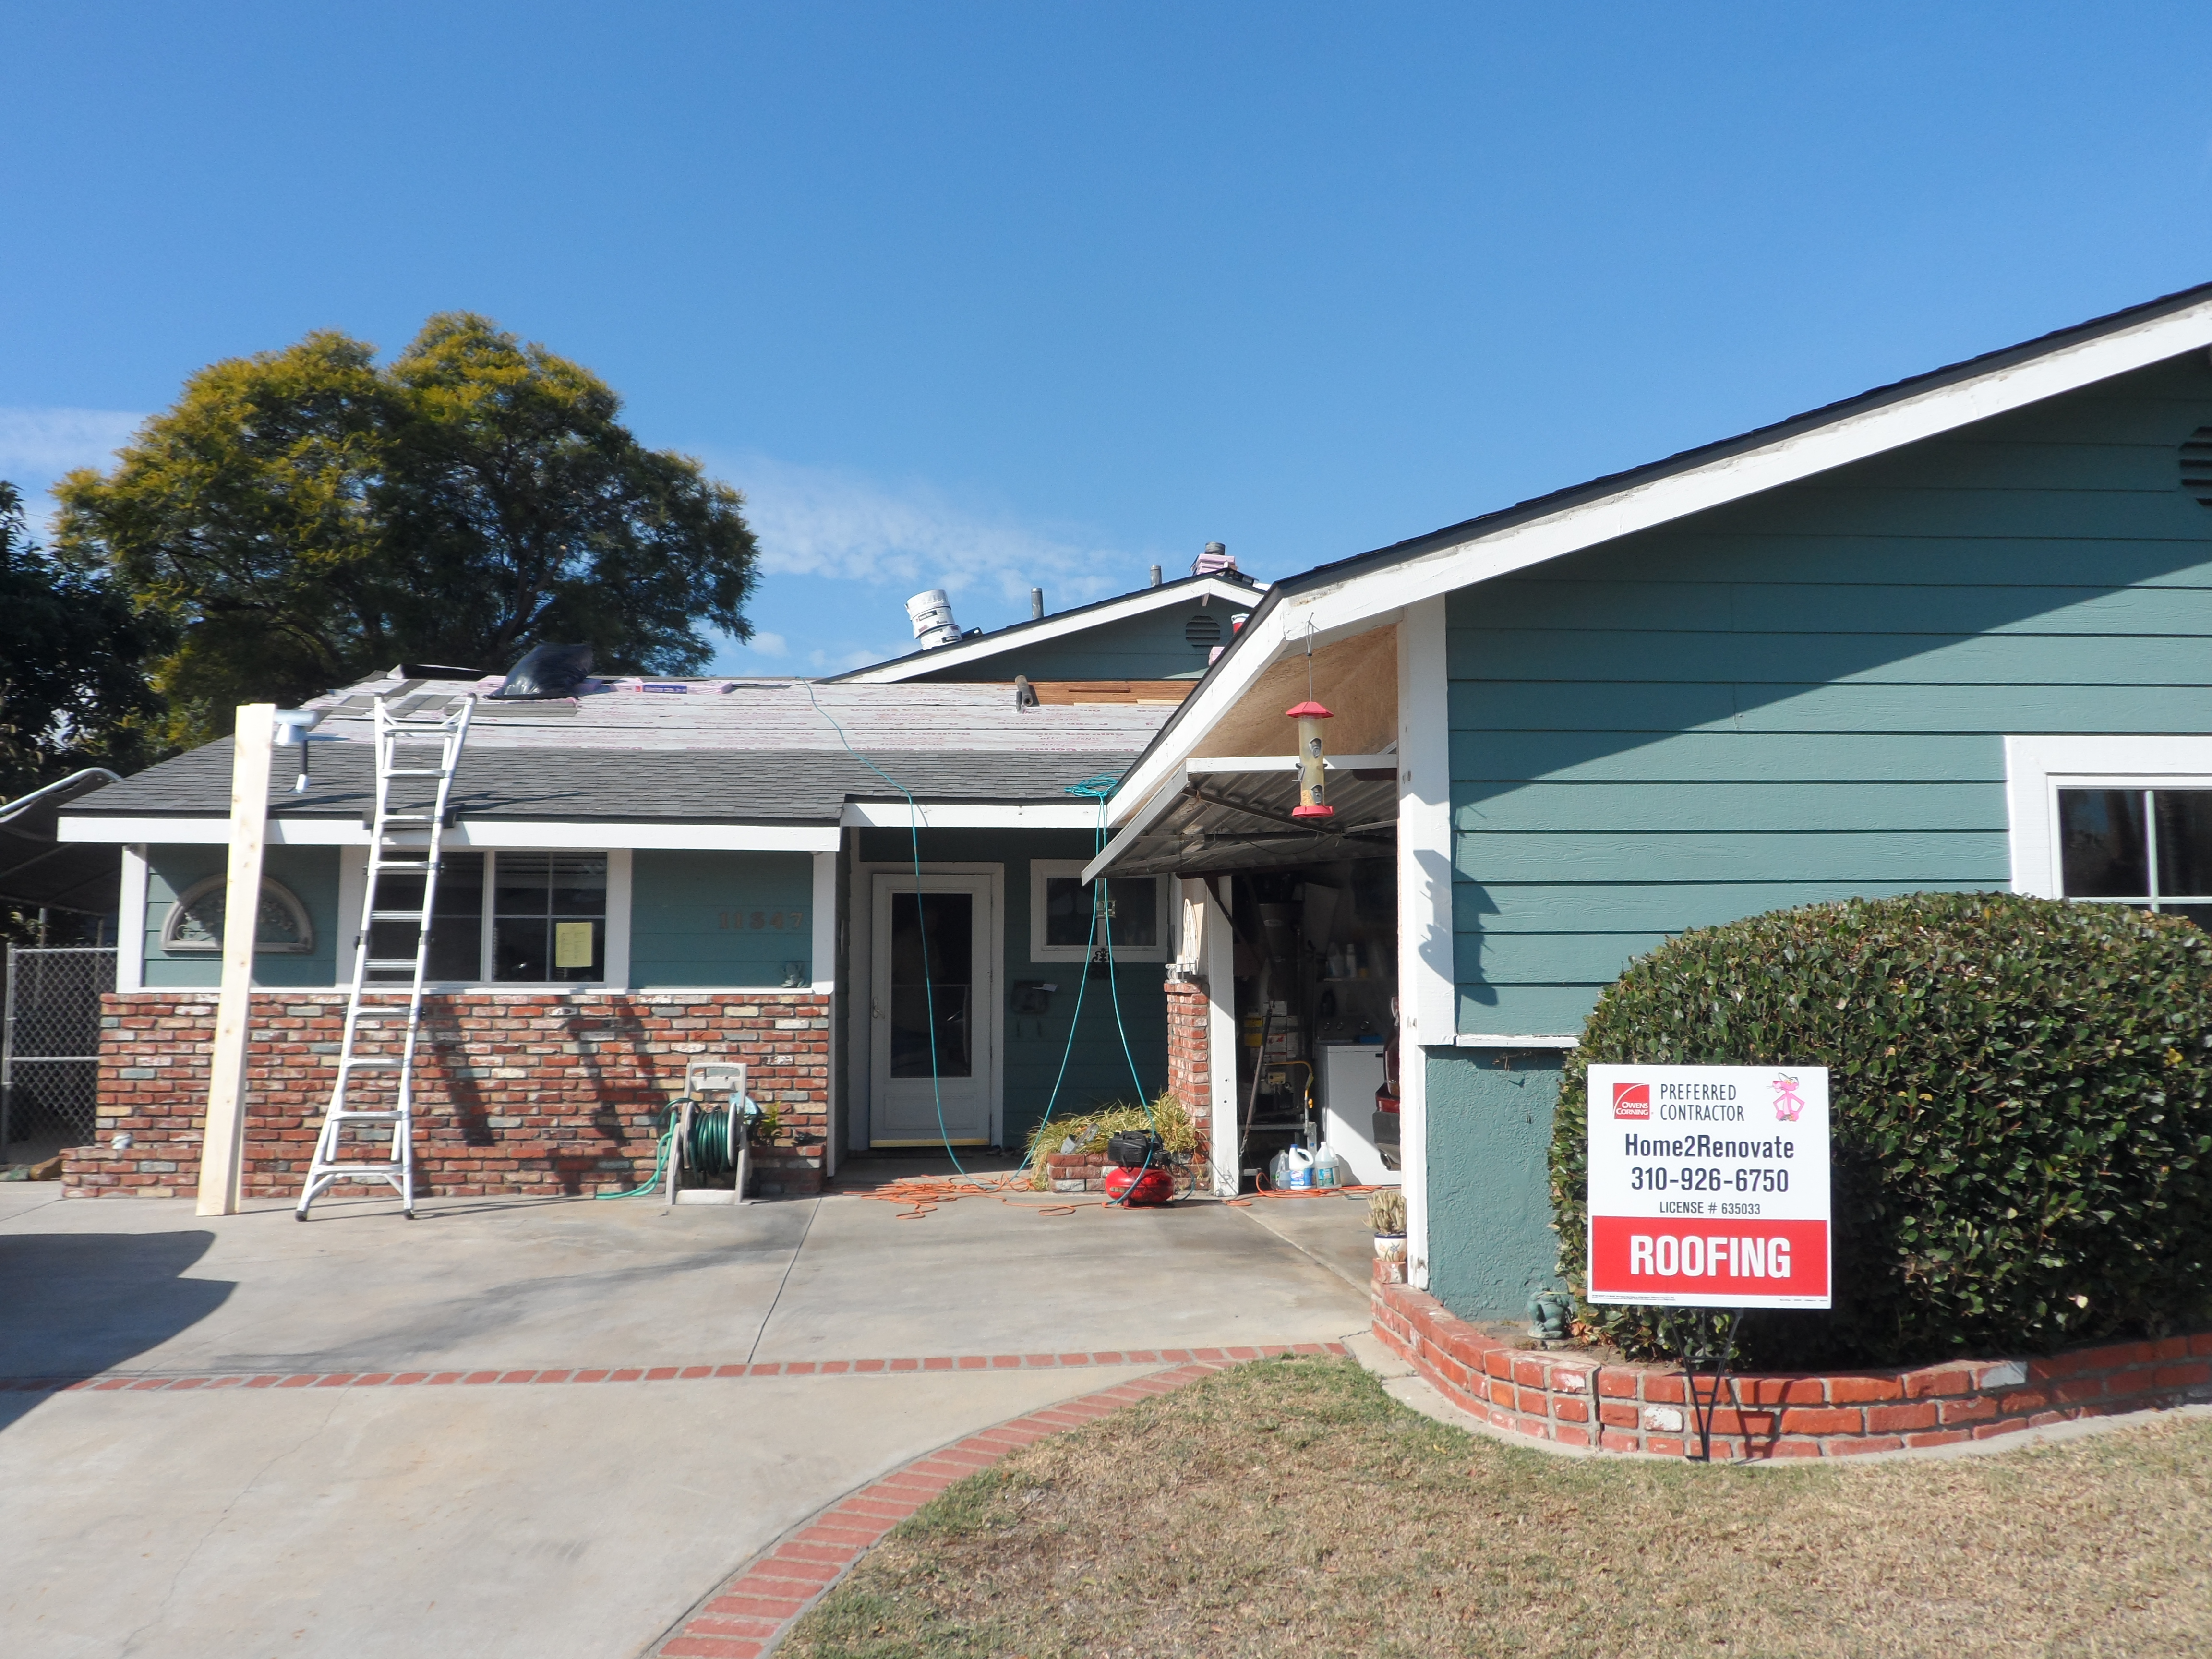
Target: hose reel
[711, 1142]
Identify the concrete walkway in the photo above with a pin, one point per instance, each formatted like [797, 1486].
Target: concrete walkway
[546, 1521]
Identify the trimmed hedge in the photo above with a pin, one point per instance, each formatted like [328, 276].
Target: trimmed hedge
[2021, 1098]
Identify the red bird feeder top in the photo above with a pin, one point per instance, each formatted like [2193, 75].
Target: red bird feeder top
[1313, 801]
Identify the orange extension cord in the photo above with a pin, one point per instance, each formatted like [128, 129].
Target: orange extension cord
[921, 1195]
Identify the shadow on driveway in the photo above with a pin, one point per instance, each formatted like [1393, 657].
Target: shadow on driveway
[79, 1303]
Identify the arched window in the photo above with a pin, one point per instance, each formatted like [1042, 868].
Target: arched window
[195, 922]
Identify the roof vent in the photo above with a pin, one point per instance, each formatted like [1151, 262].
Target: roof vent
[932, 616]
[1216, 557]
[1201, 631]
[2196, 464]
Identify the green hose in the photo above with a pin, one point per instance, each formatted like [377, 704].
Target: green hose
[709, 1151]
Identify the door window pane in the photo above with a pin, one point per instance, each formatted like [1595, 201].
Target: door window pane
[932, 957]
[2185, 842]
[2102, 853]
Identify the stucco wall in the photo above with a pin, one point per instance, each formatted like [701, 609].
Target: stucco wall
[1490, 1123]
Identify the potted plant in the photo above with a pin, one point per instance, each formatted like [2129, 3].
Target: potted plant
[1386, 1215]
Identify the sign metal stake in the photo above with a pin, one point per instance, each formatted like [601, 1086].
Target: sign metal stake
[1700, 1358]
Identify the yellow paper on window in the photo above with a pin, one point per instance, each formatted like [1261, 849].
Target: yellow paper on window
[571, 944]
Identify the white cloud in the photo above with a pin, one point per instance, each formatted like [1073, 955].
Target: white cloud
[37, 445]
[769, 644]
[820, 522]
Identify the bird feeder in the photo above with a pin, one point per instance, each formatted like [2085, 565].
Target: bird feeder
[1312, 794]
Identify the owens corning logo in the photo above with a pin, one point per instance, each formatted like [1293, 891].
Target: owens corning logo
[1632, 1100]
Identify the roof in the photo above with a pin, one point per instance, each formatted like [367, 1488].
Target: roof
[1230, 584]
[1349, 596]
[697, 752]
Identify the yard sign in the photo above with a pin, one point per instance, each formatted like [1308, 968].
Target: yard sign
[1709, 1186]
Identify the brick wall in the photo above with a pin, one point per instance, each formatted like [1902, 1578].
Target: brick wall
[515, 1092]
[1576, 1401]
[1190, 1074]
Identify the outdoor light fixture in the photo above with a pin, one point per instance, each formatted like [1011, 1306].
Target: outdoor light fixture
[1313, 795]
[293, 725]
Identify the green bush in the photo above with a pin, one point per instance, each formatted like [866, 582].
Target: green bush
[2021, 1098]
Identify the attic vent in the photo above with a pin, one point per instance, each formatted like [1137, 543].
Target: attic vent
[1203, 630]
[2196, 464]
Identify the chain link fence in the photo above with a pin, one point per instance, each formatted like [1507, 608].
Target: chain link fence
[50, 1045]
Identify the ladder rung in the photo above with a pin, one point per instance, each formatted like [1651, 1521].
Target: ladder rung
[395, 916]
[371, 1062]
[390, 965]
[416, 772]
[348, 1114]
[408, 818]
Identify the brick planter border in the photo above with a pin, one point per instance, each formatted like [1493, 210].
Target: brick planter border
[1570, 1400]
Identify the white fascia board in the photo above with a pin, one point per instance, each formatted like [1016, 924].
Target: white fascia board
[1497, 1040]
[518, 833]
[1346, 605]
[1030, 815]
[1053, 627]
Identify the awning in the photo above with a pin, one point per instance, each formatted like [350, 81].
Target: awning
[36, 869]
[1234, 813]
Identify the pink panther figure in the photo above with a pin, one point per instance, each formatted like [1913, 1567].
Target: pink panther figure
[1787, 1106]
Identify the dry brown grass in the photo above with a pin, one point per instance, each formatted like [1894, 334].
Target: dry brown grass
[1292, 1508]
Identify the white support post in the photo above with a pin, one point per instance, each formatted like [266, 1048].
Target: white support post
[222, 1144]
[131, 921]
[1220, 965]
[823, 970]
[616, 961]
[1427, 994]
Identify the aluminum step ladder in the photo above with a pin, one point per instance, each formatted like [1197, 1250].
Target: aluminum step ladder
[406, 846]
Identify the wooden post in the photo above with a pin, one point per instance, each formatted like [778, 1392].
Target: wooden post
[223, 1146]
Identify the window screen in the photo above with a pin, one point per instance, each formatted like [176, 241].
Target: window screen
[2147, 847]
[1130, 902]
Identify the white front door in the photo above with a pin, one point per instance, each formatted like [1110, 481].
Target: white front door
[933, 1011]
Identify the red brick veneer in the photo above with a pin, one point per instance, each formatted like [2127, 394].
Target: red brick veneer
[1574, 1400]
[515, 1093]
[1190, 1044]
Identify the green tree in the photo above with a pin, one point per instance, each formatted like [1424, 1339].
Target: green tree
[73, 690]
[306, 517]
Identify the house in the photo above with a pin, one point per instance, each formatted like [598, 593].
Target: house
[1954, 633]
[655, 870]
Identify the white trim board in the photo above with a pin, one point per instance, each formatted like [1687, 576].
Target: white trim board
[515, 834]
[1356, 601]
[2038, 768]
[1016, 635]
[1017, 815]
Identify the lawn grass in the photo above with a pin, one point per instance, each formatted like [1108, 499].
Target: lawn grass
[1291, 1508]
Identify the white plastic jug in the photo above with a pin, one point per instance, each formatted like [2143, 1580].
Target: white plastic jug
[1327, 1166]
[1298, 1169]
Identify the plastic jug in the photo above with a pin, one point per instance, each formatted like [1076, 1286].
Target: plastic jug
[1329, 1169]
[1298, 1169]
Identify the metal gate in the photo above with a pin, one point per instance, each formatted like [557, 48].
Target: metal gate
[50, 1044]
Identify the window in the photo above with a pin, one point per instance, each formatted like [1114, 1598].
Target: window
[520, 918]
[1134, 913]
[2147, 847]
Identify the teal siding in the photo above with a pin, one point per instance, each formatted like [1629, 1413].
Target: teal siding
[1097, 1069]
[1490, 1239]
[1803, 695]
[724, 920]
[312, 874]
[1147, 648]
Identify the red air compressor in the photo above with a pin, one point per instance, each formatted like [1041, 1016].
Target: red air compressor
[1141, 1175]
[1139, 1186]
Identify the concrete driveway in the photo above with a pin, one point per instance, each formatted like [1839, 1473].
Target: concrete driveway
[306, 1497]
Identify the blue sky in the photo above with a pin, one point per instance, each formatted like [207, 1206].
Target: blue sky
[984, 295]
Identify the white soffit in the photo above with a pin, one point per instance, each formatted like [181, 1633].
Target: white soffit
[1361, 601]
